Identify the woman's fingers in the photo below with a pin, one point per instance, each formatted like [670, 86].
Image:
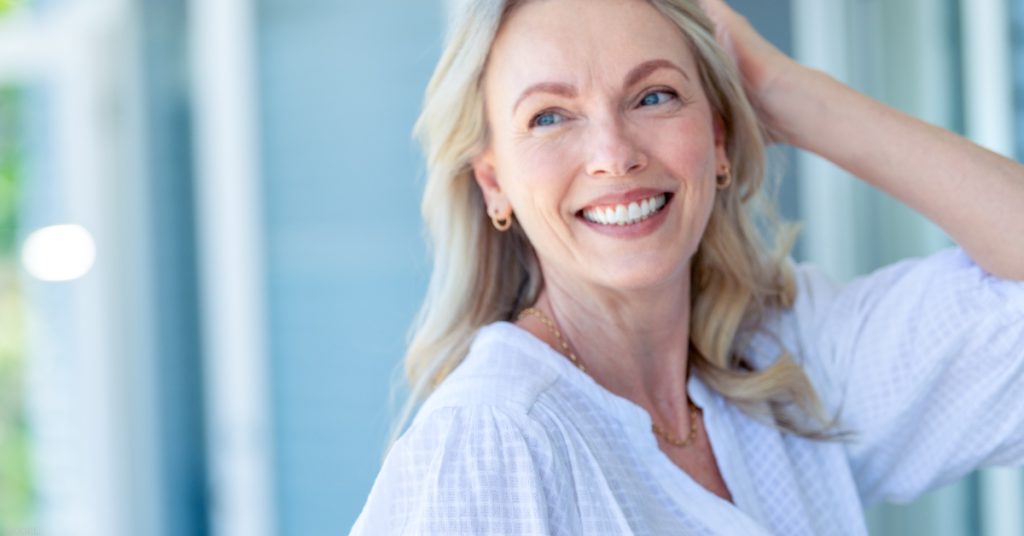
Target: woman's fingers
[718, 11]
[756, 57]
[760, 63]
[714, 7]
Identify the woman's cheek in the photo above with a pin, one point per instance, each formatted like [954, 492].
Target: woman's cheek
[683, 151]
[552, 161]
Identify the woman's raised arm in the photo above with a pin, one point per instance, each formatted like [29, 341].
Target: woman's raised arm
[975, 195]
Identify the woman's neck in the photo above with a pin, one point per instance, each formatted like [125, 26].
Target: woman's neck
[635, 344]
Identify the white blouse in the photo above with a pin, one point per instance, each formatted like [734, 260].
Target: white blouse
[923, 360]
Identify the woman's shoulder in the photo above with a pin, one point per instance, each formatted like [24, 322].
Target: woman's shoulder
[468, 459]
[506, 369]
[825, 308]
[933, 339]
[825, 311]
[949, 271]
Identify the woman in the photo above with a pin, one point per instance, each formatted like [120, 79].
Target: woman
[609, 344]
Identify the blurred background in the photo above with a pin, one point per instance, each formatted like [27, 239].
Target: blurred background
[210, 245]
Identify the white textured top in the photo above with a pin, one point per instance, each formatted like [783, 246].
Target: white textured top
[924, 359]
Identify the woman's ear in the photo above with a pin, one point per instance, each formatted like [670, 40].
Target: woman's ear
[487, 179]
[721, 152]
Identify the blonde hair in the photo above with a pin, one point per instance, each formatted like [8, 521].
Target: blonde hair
[481, 275]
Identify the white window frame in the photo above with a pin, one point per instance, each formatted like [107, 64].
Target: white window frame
[92, 400]
[89, 402]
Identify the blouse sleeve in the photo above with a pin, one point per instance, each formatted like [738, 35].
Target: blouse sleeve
[467, 470]
[927, 356]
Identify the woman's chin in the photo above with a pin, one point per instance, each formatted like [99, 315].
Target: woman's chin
[640, 277]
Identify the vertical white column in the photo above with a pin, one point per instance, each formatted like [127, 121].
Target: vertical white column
[83, 170]
[989, 120]
[988, 79]
[129, 200]
[232, 282]
[826, 191]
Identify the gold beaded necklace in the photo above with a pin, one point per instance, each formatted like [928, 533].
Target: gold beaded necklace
[671, 439]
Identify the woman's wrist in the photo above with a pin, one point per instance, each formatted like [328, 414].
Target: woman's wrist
[797, 106]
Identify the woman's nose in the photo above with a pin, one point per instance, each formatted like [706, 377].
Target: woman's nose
[614, 152]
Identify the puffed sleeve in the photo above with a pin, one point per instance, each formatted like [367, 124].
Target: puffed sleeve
[467, 470]
[927, 356]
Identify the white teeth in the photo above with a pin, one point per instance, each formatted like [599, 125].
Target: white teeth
[621, 215]
[635, 212]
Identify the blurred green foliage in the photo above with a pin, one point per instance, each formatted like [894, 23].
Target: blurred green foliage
[6, 6]
[9, 163]
[15, 471]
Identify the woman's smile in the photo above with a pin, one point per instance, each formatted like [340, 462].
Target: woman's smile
[635, 214]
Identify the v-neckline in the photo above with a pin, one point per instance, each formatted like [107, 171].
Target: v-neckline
[636, 421]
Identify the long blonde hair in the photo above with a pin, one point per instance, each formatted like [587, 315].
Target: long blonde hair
[481, 275]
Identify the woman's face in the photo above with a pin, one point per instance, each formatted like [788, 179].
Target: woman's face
[601, 140]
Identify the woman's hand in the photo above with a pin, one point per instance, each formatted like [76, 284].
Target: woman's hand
[975, 195]
[763, 67]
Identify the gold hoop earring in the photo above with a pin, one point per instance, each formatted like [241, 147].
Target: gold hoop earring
[724, 180]
[501, 223]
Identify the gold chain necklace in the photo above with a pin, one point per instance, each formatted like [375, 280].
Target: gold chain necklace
[671, 439]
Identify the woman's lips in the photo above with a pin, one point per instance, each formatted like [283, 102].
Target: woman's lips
[629, 227]
[625, 213]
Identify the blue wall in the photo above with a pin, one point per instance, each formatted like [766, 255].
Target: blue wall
[341, 84]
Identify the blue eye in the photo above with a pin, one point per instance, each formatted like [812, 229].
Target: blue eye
[546, 119]
[657, 97]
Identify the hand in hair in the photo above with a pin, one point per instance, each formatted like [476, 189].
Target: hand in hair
[761, 65]
[973, 194]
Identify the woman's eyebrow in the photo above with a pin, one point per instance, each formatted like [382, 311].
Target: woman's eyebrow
[645, 69]
[635, 75]
[555, 88]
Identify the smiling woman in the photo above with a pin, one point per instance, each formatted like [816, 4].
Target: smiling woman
[546, 126]
[624, 131]
[615, 341]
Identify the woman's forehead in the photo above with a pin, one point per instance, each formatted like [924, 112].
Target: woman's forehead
[578, 41]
